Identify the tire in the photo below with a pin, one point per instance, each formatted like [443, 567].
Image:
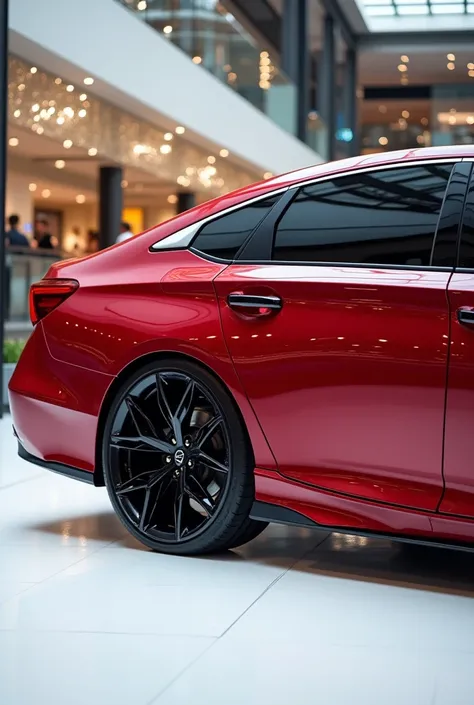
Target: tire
[248, 533]
[228, 523]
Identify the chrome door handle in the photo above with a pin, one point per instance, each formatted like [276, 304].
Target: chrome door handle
[465, 315]
[250, 301]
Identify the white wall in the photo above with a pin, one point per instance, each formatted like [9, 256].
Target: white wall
[138, 70]
[19, 200]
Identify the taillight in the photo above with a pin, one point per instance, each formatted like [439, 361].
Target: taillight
[48, 294]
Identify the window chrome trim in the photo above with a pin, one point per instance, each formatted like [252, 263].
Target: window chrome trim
[182, 239]
[376, 167]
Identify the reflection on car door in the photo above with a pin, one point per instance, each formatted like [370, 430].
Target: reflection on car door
[345, 364]
[459, 455]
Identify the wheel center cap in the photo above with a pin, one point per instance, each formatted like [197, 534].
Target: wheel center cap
[179, 457]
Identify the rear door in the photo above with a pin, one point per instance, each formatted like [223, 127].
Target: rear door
[459, 449]
[339, 333]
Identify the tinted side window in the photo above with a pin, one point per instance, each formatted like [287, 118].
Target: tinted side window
[223, 237]
[466, 251]
[381, 217]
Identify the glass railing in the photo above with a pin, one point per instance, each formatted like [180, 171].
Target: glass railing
[21, 270]
[213, 38]
[391, 137]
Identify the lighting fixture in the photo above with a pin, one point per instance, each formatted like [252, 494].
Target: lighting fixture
[211, 160]
[17, 113]
[450, 57]
[405, 114]
[33, 69]
[82, 113]
[451, 66]
[32, 187]
[39, 130]
[92, 151]
[88, 81]
[46, 193]
[470, 66]
[67, 144]
[59, 163]
[165, 148]
[13, 141]
[197, 59]
[471, 73]
[83, 97]
[402, 68]
[168, 136]
[70, 88]
[168, 29]
[267, 175]
[383, 141]
[172, 198]
[80, 198]
[142, 5]
[404, 58]
[35, 108]
[470, 119]
[124, 183]
[60, 121]
[180, 130]
[224, 153]
[58, 81]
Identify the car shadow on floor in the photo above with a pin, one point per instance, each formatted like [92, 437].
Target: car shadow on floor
[315, 552]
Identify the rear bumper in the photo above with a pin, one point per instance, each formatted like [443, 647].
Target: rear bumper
[66, 470]
[55, 406]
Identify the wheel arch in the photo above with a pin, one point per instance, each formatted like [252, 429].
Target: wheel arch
[128, 371]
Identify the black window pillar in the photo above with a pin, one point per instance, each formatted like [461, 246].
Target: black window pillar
[110, 205]
[4, 280]
[327, 93]
[295, 57]
[351, 99]
[186, 200]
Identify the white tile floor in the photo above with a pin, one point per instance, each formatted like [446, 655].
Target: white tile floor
[296, 617]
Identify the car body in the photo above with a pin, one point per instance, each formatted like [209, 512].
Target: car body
[331, 314]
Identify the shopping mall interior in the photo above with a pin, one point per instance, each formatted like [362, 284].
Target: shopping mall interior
[134, 111]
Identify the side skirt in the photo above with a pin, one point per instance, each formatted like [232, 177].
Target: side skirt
[274, 513]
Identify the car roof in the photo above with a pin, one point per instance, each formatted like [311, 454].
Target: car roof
[377, 159]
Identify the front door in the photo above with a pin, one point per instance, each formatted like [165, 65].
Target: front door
[459, 450]
[345, 364]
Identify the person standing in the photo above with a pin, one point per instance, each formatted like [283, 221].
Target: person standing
[125, 232]
[13, 236]
[43, 237]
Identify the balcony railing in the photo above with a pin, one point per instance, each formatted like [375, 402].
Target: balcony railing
[214, 39]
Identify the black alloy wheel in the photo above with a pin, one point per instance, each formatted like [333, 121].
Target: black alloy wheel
[177, 462]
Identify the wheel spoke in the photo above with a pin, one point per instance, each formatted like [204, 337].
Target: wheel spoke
[163, 401]
[212, 463]
[185, 403]
[140, 420]
[178, 511]
[153, 443]
[208, 509]
[203, 491]
[207, 430]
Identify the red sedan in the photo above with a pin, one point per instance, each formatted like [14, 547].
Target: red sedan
[299, 351]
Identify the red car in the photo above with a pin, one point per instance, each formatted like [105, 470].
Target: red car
[299, 351]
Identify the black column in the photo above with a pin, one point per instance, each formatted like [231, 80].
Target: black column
[327, 93]
[295, 57]
[351, 99]
[3, 174]
[110, 205]
[186, 200]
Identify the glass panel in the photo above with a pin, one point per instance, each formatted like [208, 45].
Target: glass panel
[21, 271]
[452, 114]
[223, 237]
[382, 217]
[214, 39]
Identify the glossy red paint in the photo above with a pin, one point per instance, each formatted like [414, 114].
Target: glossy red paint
[458, 459]
[357, 445]
[353, 369]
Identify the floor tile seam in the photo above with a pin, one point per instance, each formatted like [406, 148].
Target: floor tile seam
[39, 476]
[179, 675]
[277, 578]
